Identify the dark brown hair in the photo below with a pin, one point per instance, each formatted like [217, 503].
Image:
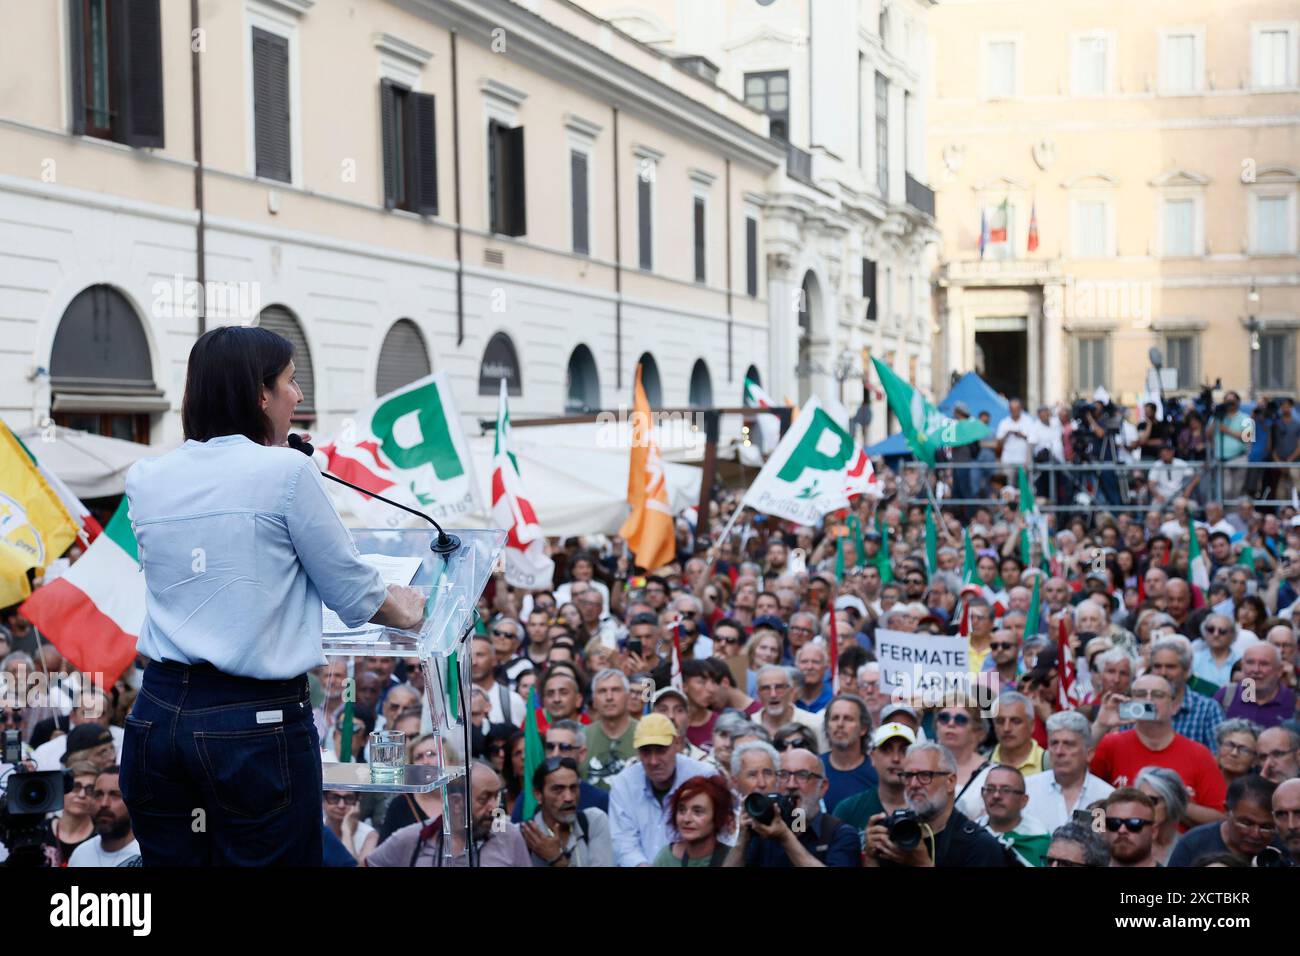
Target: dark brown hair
[228, 367]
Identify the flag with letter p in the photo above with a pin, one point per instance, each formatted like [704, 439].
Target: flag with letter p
[807, 474]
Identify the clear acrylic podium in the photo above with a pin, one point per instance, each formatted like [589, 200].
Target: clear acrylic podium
[451, 585]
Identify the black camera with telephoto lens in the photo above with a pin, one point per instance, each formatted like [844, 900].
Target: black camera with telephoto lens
[904, 828]
[27, 800]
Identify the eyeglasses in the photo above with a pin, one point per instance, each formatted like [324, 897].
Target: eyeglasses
[1149, 694]
[500, 633]
[792, 743]
[1262, 828]
[719, 639]
[961, 720]
[923, 777]
[1233, 748]
[1001, 791]
[566, 749]
[1061, 861]
[553, 764]
[1217, 630]
[87, 788]
[802, 776]
[772, 688]
[1276, 754]
[1000, 646]
[345, 798]
[690, 614]
[1132, 824]
[801, 630]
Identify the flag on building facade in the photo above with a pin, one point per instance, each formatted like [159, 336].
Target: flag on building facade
[93, 613]
[649, 530]
[1033, 227]
[527, 564]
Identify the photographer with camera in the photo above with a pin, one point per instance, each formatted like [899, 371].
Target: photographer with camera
[787, 828]
[931, 831]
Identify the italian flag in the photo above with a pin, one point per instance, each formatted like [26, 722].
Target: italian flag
[769, 426]
[527, 564]
[93, 613]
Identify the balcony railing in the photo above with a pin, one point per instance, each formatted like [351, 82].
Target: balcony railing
[920, 196]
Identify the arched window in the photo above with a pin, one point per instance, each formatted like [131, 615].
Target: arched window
[583, 383]
[403, 358]
[701, 386]
[101, 376]
[654, 391]
[500, 361]
[280, 320]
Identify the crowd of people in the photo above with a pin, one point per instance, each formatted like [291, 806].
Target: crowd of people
[697, 714]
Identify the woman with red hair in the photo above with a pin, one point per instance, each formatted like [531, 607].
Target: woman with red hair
[701, 812]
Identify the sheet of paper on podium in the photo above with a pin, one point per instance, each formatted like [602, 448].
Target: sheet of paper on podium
[394, 569]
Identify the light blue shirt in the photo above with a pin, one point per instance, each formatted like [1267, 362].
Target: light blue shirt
[638, 822]
[240, 544]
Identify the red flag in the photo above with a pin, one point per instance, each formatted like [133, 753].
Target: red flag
[676, 679]
[835, 650]
[1033, 227]
[1142, 588]
[1068, 696]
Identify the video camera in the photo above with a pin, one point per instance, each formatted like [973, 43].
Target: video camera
[24, 805]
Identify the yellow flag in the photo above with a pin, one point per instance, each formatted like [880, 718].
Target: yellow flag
[649, 528]
[35, 528]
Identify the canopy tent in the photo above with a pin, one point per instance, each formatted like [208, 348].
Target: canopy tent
[972, 390]
[92, 466]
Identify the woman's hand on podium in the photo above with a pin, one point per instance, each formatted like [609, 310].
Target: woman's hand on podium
[403, 608]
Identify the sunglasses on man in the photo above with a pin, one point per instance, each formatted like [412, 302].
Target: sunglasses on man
[1132, 824]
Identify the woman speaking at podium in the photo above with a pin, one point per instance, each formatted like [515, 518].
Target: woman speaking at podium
[240, 546]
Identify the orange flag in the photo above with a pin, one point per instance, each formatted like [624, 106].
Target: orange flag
[649, 528]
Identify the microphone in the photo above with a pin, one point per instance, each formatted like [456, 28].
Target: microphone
[445, 544]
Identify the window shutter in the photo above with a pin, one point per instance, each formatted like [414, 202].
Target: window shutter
[699, 239]
[271, 105]
[643, 223]
[282, 322]
[496, 222]
[403, 358]
[869, 288]
[512, 141]
[77, 65]
[751, 256]
[137, 70]
[578, 178]
[424, 154]
[388, 120]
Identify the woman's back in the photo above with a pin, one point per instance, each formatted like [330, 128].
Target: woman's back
[239, 544]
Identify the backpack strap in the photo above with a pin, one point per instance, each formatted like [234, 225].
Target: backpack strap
[584, 827]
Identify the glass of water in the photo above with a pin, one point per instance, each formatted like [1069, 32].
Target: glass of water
[387, 755]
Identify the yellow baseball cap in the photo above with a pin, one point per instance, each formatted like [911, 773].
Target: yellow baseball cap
[889, 731]
[654, 730]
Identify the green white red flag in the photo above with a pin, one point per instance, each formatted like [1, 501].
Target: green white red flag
[527, 564]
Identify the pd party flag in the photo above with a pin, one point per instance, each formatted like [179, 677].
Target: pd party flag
[805, 477]
[649, 530]
[534, 753]
[527, 564]
[93, 613]
[861, 477]
[925, 428]
[408, 446]
[1198, 569]
[35, 527]
[931, 542]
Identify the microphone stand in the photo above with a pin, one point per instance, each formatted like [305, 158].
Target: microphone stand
[445, 544]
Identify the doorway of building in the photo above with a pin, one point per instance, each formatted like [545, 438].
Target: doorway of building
[1003, 363]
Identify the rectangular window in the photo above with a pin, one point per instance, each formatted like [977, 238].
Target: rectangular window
[889, 294]
[770, 93]
[1273, 52]
[645, 181]
[1180, 63]
[1180, 227]
[1276, 361]
[506, 196]
[1091, 368]
[869, 288]
[115, 58]
[579, 184]
[1000, 69]
[1090, 55]
[271, 106]
[751, 256]
[882, 135]
[1271, 224]
[410, 149]
[698, 217]
[1090, 229]
[1180, 355]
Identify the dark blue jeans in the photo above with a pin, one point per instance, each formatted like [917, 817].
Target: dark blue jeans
[222, 771]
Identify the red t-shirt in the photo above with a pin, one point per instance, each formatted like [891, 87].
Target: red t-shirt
[1121, 756]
